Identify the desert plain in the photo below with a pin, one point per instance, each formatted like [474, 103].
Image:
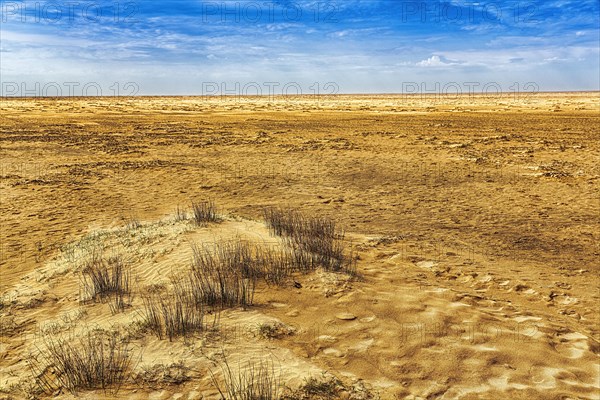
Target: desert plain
[472, 223]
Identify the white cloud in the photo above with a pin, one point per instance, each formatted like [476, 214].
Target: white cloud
[436, 61]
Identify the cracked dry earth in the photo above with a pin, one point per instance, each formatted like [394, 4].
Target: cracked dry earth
[475, 222]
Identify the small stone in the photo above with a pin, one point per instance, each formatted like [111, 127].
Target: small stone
[346, 316]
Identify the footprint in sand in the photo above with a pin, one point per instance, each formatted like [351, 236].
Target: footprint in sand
[529, 328]
[543, 377]
[523, 288]
[572, 345]
[566, 300]
[363, 345]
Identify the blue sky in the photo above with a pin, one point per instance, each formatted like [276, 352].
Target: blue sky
[284, 46]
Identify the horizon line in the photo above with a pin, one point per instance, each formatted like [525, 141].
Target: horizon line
[216, 96]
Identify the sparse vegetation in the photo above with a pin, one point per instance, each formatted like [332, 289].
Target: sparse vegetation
[224, 276]
[275, 264]
[133, 223]
[180, 214]
[313, 241]
[252, 381]
[204, 212]
[173, 314]
[96, 360]
[106, 279]
[290, 222]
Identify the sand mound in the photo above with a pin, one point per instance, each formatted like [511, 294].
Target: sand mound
[394, 335]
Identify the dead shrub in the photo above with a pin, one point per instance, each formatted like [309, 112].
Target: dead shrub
[103, 279]
[204, 212]
[95, 360]
[173, 314]
[224, 276]
[313, 241]
[252, 381]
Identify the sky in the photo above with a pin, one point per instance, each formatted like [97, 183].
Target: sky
[272, 47]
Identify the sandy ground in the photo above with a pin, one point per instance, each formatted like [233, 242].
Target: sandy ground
[476, 222]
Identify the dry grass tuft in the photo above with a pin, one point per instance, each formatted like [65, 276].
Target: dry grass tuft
[312, 241]
[204, 212]
[180, 214]
[224, 276]
[173, 314]
[95, 360]
[103, 279]
[253, 381]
